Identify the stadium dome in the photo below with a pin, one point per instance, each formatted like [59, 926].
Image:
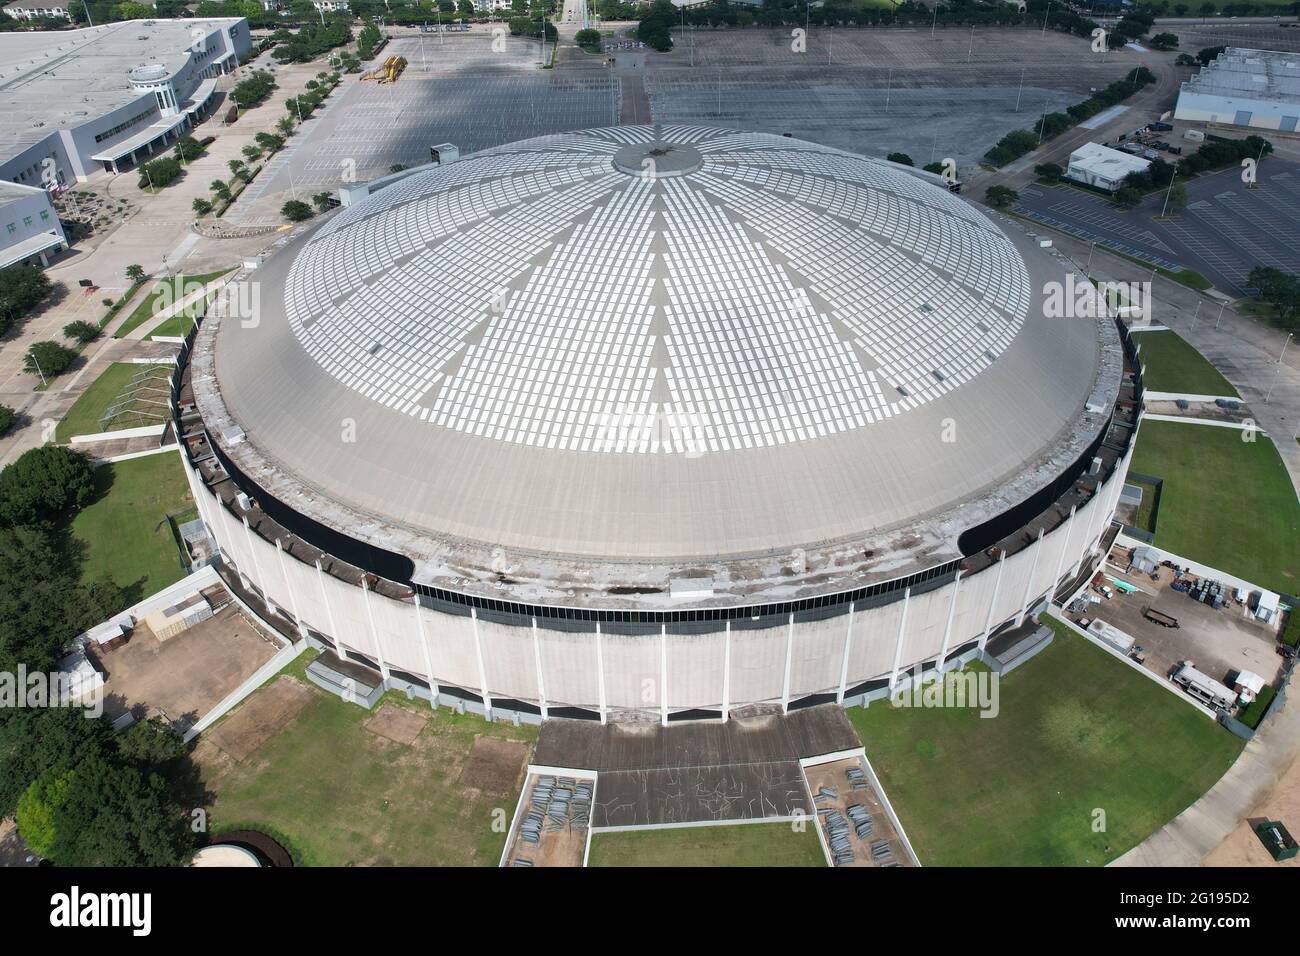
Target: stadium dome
[656, 346]
[678, 421]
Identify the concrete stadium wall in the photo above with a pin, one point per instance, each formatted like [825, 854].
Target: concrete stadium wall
[660, 673]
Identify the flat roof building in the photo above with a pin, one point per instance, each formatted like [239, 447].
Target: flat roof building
[29, 226]
[1095, 165]
[75, 102]
[1257, 89]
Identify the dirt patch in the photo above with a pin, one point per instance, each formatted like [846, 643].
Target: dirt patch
[1242, 847]
[494, 765]
[397, 724]
[261, 717]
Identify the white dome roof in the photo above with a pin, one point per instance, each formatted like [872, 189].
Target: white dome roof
[669, 347]
[710, 292]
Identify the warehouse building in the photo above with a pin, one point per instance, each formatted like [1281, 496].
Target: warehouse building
[1254, 89]
[77, 102]
[1102, 167]
[727, 423]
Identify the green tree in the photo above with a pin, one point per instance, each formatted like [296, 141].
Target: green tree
[201, 206]
[81, 331]
[188, 149]
[159, 173]
[22, 289]
[8, 418]
[39, 740]
[1164, 41]
[321, 201]
[44, 482]
[134, 273]
[1128, 197]
[220, 189]
[588, 39]
[117, 815]
[38, 809]
[151, 742]
[295, 210]
[655, 28]
[48, 359]
[901, 158]
[1000, 196]
[1049, 171]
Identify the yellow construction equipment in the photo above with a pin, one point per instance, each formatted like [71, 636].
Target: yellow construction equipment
[388, 71]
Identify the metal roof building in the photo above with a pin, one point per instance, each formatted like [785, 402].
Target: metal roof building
[1259, 89]
[1103, 167]
[652, 377]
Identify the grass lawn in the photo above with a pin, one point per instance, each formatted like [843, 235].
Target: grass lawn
[84, 417]
[125, 530]
[337, 794]
[180, 325]
[1226, 502]
[1174, 366]
[749, 844]
[1077, 731]
[161, 296]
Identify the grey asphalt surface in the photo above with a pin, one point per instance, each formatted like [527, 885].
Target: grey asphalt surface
[1226, 229]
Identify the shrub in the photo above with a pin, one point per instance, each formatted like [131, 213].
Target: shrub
[8, 419]
[588, 39]
[901, 158]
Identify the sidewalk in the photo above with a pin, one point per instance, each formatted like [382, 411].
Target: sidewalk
[1193, 834]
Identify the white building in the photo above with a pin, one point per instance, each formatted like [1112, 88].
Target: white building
[1102, 167]
[75, 102]
[1258, 89]
[29, 227]
[36, 9]
[331, 6]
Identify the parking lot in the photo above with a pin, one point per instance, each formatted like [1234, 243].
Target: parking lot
[1225, 230]
[458, 91]
[1219, 642]
[875, 91]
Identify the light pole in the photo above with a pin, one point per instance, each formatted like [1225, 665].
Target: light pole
[32, 351]
[1222, 306]
[1020, 89]
[1269, 394]
[1284, 345]
[1046, 13]
[1165, 207]
[934, 20]
[1091, 249]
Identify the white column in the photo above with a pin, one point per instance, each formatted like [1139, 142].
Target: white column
[424, 648]
[844, 659]
[1029, 581]
[997, 586]
[947, 628]
[329, 613]
[257, 565]
[600, 674]
[374, 632]
[663, 675]
[537, 663]
[726, 672]
[789, 653]
[1060, 557]
[898, 644]
[293, 598]
[482, 673]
